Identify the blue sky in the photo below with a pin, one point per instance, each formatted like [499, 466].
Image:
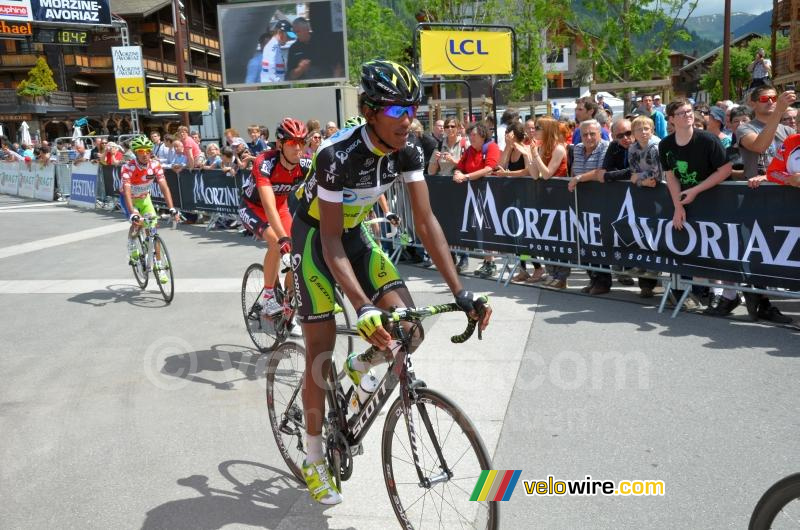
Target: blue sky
[713, 7]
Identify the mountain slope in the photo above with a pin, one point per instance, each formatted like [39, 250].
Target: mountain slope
[761, 24]
[711, 26]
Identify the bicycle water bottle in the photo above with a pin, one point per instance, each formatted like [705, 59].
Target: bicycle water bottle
[368, 385]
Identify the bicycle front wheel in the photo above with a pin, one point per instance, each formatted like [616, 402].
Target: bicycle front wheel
[265, 333]
[451, 456]
[139, 265]
[285, 404]
[779, 507]
[162, 270]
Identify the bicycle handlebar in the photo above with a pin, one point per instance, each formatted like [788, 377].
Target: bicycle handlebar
[409, 313]
[393, 228]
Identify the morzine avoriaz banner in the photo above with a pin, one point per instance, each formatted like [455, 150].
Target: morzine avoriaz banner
[66, 12]
[206, 190]
[731, 233]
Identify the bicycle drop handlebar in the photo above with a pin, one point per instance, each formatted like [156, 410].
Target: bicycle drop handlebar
[407, 314]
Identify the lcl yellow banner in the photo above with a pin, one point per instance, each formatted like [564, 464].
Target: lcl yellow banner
[178, 99]
[131, 93]
[466, 52]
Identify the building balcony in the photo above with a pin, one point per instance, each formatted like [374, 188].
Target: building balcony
[159, 28]
[209, 76]
[90, 64]
[202, 43]
[780, 65]
[788, 11]
[159, 69]
[9, 61]
[59, 102]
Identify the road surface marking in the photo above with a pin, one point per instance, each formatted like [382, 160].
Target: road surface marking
[32, 205]
[41, 244]
[118, 285]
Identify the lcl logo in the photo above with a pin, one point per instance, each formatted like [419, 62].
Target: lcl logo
[179, 96]
[130, 93]
[462, 54]
[466, 47]
[179, 100]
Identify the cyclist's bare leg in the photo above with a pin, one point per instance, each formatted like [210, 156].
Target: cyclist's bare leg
[271, 257]
[320, 338]
[157, 248]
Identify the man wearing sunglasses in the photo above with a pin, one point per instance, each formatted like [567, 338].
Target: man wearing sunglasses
[264, 206]
[349, 173]
[759, 141]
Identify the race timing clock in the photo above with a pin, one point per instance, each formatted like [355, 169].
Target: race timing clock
[73, 37]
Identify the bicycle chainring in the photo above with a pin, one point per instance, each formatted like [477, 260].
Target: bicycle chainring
[336, 442]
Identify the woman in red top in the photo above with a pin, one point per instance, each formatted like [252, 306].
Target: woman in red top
[550, 158]
[477, 161]
[480, 158]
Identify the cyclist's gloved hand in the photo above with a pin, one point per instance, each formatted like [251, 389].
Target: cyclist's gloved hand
[285, 245]
[370, 325]
[173, 212]
[135, 218]
[468, 301]
[392, 218]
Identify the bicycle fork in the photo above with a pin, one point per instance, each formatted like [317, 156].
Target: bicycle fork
[409, 400]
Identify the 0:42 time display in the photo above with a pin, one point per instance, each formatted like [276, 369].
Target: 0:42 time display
[68, 36]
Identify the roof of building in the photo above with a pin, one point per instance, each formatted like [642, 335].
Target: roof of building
[137, 7]
[716, 51]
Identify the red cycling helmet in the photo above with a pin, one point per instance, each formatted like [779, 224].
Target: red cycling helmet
[291, 129]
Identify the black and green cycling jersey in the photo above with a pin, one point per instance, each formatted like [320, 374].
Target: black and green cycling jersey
[349, 169]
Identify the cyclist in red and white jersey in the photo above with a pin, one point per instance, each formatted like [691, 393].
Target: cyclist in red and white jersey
[264, 208]
[137, 176]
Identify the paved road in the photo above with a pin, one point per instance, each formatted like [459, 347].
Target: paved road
[117, 411]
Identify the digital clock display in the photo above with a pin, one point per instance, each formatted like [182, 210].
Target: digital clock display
[69, 36]
[62, 36]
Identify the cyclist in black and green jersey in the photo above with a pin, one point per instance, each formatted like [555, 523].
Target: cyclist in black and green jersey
[349, 173]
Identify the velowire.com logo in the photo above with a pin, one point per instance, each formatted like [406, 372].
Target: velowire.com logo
[494, 485]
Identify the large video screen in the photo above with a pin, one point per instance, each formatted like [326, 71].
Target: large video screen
[279, 43]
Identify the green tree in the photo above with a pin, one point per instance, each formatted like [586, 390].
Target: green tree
[538, 25]
[630, 40]
[39, 83]
[455, 11]
[374, 31]
[741, 57]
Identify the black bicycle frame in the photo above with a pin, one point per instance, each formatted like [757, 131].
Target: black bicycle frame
[398, 373]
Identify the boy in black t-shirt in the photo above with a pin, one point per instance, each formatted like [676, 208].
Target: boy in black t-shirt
[693, 159]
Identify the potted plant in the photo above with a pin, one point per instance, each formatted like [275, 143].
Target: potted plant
[39, 84]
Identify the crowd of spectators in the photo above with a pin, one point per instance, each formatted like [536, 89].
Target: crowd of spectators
[687, 147]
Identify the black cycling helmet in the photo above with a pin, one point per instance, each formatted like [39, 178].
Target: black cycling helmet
[390, 83]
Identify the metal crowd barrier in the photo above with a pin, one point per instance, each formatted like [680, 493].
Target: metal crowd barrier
[511, 263]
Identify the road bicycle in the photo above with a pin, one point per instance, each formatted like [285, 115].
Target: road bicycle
[268, 333]
[779, 507]
[149, 245]
[432, 455]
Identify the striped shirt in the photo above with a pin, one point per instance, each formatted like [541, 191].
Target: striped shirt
[581, 163]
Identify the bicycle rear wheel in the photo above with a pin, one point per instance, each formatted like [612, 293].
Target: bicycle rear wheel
[164, 265]
[779, 507]
[285, 404]
[139, 265]
[436, 421]
[265, 333]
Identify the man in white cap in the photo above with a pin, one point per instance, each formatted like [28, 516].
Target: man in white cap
[273, 65]
[657, 105]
